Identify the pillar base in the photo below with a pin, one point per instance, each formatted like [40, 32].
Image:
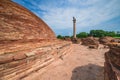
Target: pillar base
[75, 40]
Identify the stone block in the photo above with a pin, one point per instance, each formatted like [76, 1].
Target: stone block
[30, 54]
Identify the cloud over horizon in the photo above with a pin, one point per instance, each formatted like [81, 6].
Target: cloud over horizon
[90, 14]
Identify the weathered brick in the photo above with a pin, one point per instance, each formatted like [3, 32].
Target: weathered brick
[13, 64]
[39, 52]
[19, 56]
[6, 58]
[2, 67]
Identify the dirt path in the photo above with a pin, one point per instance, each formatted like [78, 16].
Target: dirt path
[81, 64]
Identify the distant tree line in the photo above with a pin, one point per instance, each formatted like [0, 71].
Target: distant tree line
[62, 37]
[102, 33]
[94, 33]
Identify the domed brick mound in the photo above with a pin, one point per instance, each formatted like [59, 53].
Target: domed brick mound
[17, 23]
[27, 44]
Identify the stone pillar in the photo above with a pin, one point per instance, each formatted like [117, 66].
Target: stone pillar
[74, 28]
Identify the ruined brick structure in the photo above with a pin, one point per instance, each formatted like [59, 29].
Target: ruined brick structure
[27, 44]
[105, 40]
[90, 41]
[112, 63]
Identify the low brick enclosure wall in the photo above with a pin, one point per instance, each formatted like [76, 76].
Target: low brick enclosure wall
[19, 63]
[112, 63]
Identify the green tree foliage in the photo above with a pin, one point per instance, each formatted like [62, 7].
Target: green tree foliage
[60, 37]
[67, 36]
[102, 33]
[110, 33]
[82, 35]
[118, 34]
[97, 33]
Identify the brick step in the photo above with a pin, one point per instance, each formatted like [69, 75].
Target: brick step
[34, 60]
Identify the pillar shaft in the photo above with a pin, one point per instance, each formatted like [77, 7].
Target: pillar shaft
[74, 27]
[74, 30]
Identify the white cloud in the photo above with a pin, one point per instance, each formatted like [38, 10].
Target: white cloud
[61, 18]
[88, 13]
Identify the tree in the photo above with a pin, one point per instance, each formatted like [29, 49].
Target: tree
[82, 35]
[67, 36]
[92, 33]
[60, 37]
[118, 34]
[97, 33]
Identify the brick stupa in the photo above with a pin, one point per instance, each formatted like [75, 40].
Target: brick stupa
[27, 43]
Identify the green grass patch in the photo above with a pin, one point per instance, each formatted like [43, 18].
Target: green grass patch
[116, 37]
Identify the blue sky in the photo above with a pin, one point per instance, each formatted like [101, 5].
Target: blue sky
[90, 14]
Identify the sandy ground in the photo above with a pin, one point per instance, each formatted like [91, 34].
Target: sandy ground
[80, 64]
